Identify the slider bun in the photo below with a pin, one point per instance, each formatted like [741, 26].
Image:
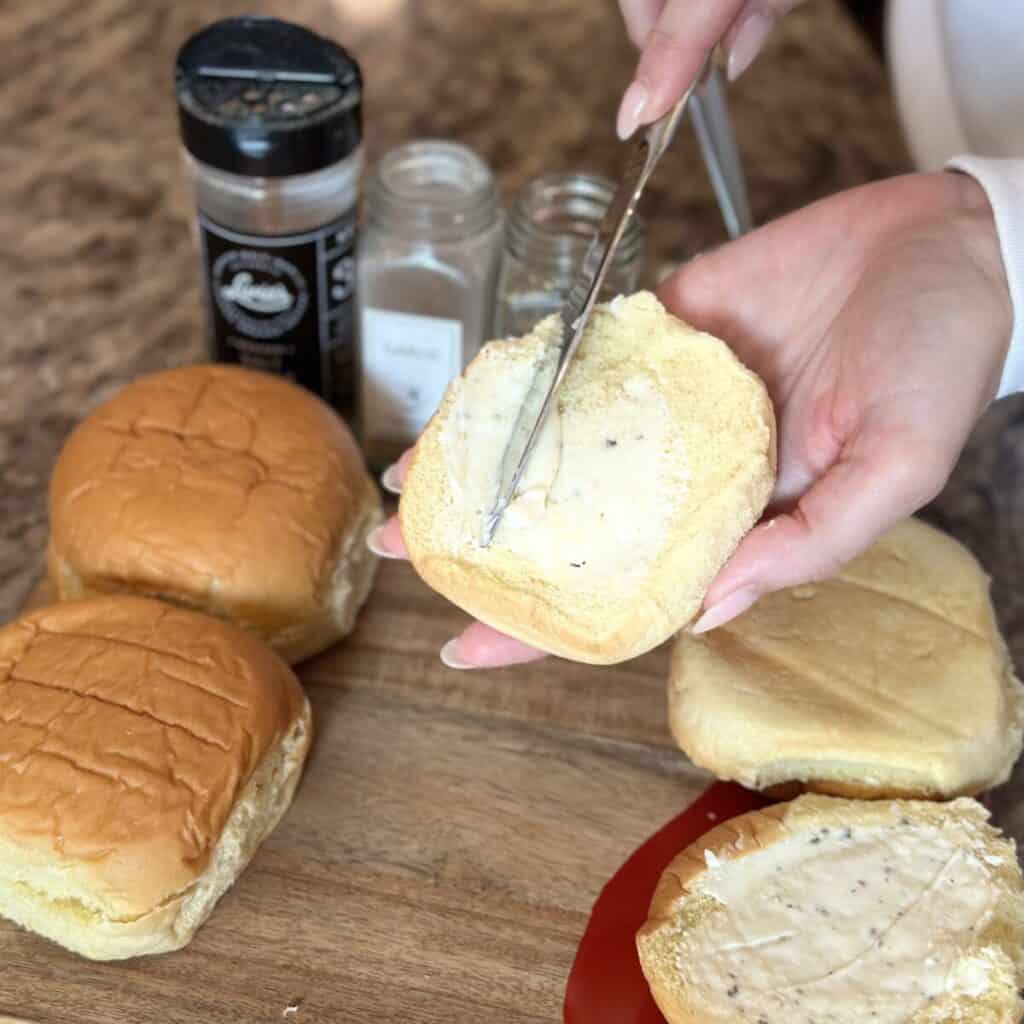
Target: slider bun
[658, 459]
[824, 909]
[890, 680]
[145, 753]
[221, 489]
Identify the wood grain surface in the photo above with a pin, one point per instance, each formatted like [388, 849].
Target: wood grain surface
[440, 859]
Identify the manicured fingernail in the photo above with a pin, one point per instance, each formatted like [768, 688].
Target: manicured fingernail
[374, 541]
[727, 609]
[630, 110]
[450, 657]
[747, 43]
[390, 480]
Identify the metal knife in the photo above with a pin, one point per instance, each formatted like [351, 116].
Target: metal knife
[579, 304]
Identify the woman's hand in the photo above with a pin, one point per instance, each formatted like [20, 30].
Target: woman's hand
[674, 36]
[879, 320]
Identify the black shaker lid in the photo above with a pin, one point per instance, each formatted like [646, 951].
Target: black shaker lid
[262, 97]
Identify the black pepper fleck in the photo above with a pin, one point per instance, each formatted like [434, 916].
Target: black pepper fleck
[578, 565]
[610, 442]
[733, 992]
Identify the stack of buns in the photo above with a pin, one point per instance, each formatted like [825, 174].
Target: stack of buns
[886, 696]
[207, 527]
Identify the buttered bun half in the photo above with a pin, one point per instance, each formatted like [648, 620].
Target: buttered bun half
[890, 680]
[659, 457]
[222, 489]
[824, 909]
[145, 753]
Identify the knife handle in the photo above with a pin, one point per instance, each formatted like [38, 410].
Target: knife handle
[662, 131]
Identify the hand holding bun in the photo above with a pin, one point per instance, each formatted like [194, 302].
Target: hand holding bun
[145, 753]
[220, 489]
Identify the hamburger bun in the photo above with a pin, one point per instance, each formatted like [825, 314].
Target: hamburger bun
[145, 753]
[890, 680]
[659, 457]
[221, 489]
[823, 909]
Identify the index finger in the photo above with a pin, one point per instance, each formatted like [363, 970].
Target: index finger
[675, 49]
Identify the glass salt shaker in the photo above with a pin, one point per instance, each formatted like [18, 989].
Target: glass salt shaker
[550, 224]
[271, 126]
[428, 260]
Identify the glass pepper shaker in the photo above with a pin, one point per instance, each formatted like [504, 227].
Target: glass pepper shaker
[428, 260]
[551, 222]
[271, 126]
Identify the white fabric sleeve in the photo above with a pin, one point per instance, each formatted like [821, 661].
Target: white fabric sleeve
[1003, 182]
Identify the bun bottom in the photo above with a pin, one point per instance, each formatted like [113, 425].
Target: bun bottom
[44, 897]
[909, 912]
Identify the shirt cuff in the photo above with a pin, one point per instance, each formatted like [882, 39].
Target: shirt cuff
[1003, 183]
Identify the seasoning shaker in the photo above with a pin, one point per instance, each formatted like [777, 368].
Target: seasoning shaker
[550, 224]
[271, 126]
[428, 260]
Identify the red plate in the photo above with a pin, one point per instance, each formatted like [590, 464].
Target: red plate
[606, 985]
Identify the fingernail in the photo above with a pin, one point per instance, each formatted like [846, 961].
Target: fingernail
[450, 657]
[632, 106]
[375, 544]
[727, 609]
[389, 479]
[747, 43]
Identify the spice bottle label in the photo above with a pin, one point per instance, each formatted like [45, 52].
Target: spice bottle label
[407, 362]
[285, 303]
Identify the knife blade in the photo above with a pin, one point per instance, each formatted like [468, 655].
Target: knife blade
[579, 304]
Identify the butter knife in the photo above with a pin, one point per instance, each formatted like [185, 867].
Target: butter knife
[579, 304]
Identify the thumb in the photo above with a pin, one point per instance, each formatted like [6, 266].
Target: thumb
[840, 516]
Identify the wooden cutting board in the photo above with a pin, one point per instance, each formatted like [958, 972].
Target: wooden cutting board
[440, 859]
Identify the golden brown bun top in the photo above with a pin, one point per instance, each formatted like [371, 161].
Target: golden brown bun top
[127, 730]
[217, 484]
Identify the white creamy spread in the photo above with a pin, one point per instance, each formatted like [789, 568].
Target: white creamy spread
[599, 489]
[841, 925]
